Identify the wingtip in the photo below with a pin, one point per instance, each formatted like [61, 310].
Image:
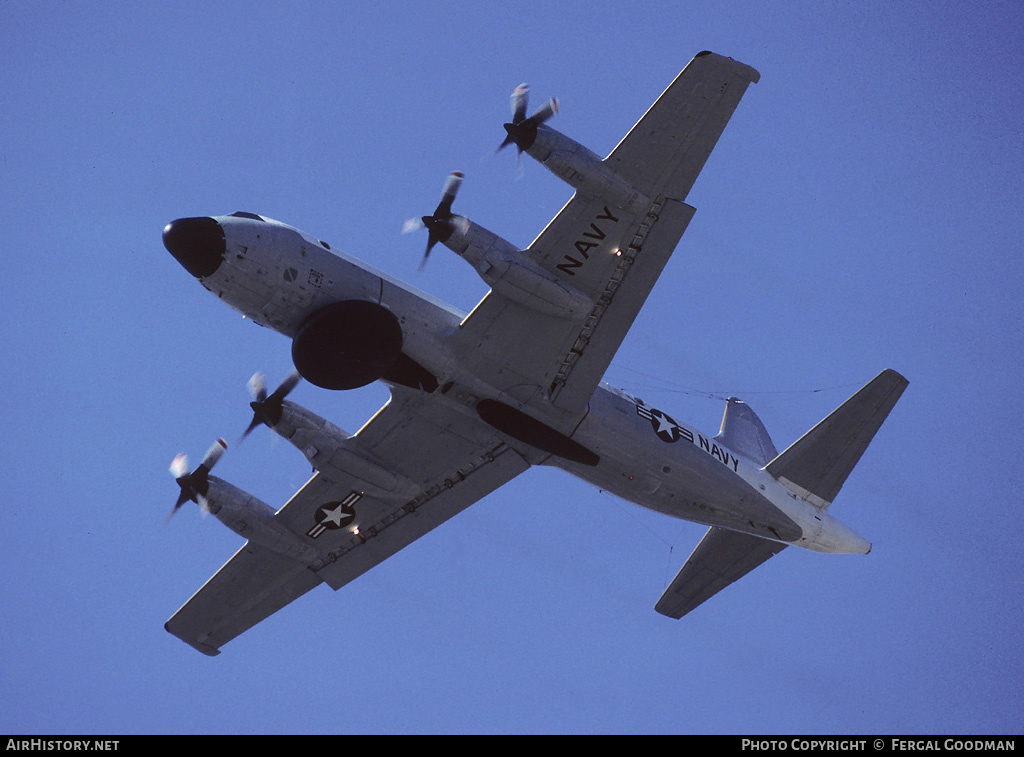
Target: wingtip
[896, 376]
[204, 648]
[748, 72]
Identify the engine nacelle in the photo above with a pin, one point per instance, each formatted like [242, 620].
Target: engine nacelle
[347, 344]
[579, 167]
[253, 519]
[334, 452]
[510, 273]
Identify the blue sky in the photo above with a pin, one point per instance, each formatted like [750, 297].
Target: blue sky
[862, 211]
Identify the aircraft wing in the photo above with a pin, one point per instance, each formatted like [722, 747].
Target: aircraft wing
[611, 255]
[442, 461]
[254, 584]
[666, 150]
[721, 558]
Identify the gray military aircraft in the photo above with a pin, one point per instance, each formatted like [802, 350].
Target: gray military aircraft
[477, 399]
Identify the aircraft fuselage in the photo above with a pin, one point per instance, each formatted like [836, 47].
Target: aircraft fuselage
[279, 277]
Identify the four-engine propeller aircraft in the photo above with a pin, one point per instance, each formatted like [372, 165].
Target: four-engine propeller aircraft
[477, 399]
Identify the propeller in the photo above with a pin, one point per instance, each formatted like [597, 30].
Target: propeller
[267, 409]
[195, 484]
[523, 131]
[441, 224]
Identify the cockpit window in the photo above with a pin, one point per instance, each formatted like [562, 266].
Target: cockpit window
[243, 214]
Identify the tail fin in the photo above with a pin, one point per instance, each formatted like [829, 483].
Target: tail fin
[816, 465]
[743, 432]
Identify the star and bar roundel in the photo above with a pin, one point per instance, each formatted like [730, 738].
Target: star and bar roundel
[331, 516]
[664, 425]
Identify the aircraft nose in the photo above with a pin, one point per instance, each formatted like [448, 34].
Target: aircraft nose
[197, 243]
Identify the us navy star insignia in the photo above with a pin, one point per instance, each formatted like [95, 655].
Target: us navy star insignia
[664, 424]
[331, 516]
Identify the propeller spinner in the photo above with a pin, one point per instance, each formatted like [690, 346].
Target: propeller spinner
[267, 409]
[441, 224]
[523, 131]
[195, 484]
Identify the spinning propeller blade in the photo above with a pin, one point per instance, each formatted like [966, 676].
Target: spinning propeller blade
[522, 131]
[195, 484]
[267, 409]
[440, 225]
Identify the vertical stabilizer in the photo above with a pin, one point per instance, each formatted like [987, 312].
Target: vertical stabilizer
[743, 432]
[817, 464]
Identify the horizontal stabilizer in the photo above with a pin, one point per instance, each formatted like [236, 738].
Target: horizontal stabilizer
[721, 558]
[816, 465]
